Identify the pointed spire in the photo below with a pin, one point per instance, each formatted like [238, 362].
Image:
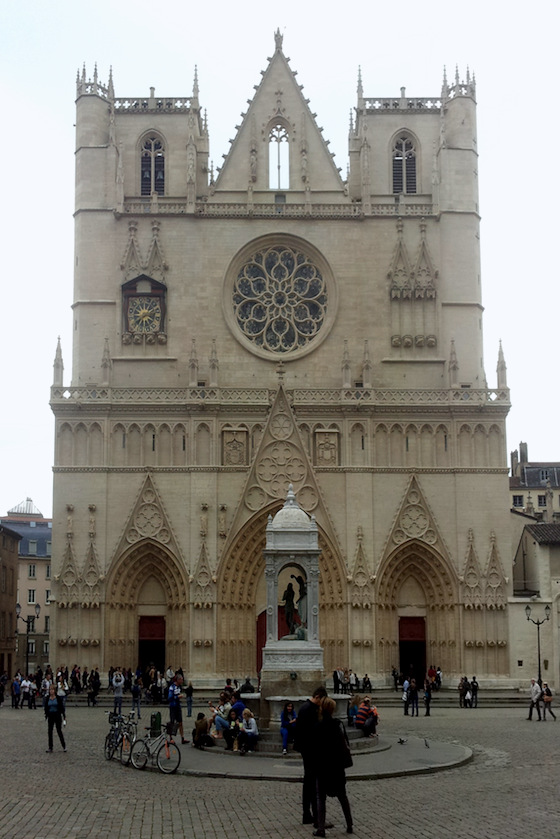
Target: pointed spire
[453, 366]
[95, 78]
[110, 87]
[195, 83]
[214, 365]
[106, 363]
[193, 366]
[345, 366]
[457, 80]
[366, 367]
[351, 128]
[278, 40]
[58, 366]
[360, 86]
[501, 369]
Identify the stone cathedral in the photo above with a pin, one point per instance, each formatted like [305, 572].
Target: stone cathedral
[275, 323]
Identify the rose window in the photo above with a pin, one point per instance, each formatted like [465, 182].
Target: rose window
[280, 299]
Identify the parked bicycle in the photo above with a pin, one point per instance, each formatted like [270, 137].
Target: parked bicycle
[161, 748]
[121, 737]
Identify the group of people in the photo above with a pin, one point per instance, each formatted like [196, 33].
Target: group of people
[468, 692]
[229, 720]
[541, 700]
[346, 681]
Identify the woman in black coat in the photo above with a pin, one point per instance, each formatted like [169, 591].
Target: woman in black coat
[332, 756]
[54, 716]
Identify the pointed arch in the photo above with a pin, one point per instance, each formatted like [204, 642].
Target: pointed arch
[416, 579]
[152, 163]
[242, 597]
[130, 573]
[405, 157]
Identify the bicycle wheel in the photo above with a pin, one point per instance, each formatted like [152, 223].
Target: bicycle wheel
[110, 746]
[126, 748]
[139, 754]
[168, 758]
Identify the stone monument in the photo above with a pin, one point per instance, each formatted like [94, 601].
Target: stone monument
[292, 664]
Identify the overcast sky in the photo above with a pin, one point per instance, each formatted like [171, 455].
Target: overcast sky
[42, 45]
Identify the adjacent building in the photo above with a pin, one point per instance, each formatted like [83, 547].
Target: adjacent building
[9, 540]
[34, 584]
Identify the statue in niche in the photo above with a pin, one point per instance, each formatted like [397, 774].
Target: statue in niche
[302, 598]
[289, 607]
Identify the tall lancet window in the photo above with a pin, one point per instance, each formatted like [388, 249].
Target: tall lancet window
[152, 167]
[404, 165]
[279, 158]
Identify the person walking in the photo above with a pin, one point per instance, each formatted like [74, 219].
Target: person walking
[427, 695]
[174, 698]
[189, 690]
[307, 719]
[332, 756]
[118, 687]
[53, 715]
[413, 696]
[474, 692]
[535, 693]
[547, 701]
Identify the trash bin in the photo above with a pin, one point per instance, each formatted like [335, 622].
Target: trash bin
[155, 724]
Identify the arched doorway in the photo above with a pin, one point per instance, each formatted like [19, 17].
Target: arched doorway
[146, 617]
[417, 615]
[241, 624]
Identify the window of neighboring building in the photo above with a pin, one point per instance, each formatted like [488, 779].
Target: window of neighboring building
[31, 571]
[48, 571]
[3, 579]
[31, 647]
[31, 622]
[542, 500]
[544, 475]
[152, 167]
[3, 625]
[49, 548]
[279, 157]
[45, 647]
[404, 165]
[47, 623]
[48, 596]
[32, 547]
[518, 501]
[31, 595]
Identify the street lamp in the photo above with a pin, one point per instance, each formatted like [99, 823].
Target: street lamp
[27, 621]
[538, 624]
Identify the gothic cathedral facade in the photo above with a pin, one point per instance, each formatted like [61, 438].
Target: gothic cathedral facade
[269, 325]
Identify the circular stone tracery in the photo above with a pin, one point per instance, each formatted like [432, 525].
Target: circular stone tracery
[280, 297]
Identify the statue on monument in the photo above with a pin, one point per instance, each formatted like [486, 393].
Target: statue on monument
[302, 598]
[289, 607]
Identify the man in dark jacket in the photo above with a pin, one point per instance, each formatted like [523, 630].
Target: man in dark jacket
[307, 719]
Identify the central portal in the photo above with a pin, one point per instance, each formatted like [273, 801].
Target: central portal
[151, 642]
[412, 648]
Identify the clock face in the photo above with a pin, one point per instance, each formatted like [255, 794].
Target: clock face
[144, 314]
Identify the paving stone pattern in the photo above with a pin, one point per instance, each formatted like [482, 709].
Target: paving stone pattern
[509, 789]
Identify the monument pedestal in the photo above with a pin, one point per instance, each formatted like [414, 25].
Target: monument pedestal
[290, 669]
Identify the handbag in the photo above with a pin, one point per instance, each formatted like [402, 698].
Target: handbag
[547, 698]
[404, 696]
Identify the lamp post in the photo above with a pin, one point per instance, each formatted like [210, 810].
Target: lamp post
[27, 621]
[538, 624]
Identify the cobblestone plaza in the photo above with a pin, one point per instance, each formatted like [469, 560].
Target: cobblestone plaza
[509, 788]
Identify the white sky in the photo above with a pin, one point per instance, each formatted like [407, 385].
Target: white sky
[42, 44]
